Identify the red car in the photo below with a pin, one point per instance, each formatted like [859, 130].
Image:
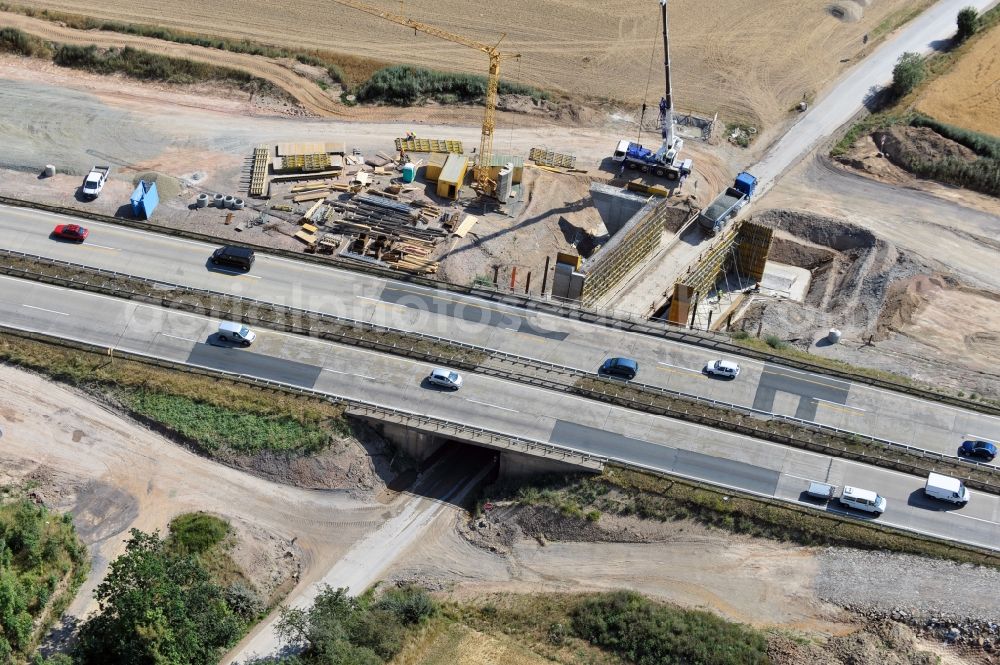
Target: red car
[71, 232]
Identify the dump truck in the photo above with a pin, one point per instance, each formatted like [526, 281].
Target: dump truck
[725, 206]
[94, 182]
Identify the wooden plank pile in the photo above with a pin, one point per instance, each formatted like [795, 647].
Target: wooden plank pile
[387, 231]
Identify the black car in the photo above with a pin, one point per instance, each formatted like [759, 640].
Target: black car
[984, 450]
[235, 256]
[621, 368]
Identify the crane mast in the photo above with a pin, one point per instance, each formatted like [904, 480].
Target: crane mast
[484, 185]
[667, 102]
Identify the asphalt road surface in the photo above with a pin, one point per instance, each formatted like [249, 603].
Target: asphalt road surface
[853, 407]
[490, 403]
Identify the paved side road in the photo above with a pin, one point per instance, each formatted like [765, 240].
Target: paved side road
[363, 565]
[847, 96]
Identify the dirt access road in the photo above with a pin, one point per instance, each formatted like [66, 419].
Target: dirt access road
[114, 475]
[724, 57]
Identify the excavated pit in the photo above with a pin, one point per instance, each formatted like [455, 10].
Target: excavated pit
[896, 310]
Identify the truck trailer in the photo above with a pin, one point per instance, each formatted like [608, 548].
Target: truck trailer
[725, 206]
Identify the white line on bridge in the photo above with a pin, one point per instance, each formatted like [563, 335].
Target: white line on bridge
[686, 369]
[186, 339]
[92, 244]
[50, 311]
[843, 406]
[502, 408]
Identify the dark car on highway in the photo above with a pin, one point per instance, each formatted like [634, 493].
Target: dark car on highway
[234, 256]
[983, 450]
[620, 368]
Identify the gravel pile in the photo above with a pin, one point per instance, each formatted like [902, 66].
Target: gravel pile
[955, 603]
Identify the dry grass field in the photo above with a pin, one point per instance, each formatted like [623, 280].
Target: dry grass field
[750, 61]
[969, 95]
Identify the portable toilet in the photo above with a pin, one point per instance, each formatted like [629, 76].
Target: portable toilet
[144, 200]
[409, 172]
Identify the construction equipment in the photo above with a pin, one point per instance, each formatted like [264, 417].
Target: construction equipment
[484, 186]
[664, 161]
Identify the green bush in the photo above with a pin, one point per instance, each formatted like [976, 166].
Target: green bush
[13, 40]
[909, 71]
[968, 23]
[648, 633]
[194, 533]
[775, 342]
[403, 85]
[342, 630]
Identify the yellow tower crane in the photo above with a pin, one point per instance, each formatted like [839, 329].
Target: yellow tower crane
[484, 185]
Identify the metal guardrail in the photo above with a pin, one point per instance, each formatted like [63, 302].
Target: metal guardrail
[813, 510]
[440, 425]
[569, 372]
[613, 319]
[528, 446]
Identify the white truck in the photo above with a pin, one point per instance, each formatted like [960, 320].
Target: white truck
[94, 182]
[947, 489]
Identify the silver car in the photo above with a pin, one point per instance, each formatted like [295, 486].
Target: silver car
[445, 378]
[723, 368]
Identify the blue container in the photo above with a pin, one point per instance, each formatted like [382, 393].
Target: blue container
[144, 200]
[409, 172]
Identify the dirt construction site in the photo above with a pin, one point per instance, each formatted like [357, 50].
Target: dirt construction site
[903, 268]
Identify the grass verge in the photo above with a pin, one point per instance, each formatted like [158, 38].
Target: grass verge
[596, 628]
[213, 415]
[620, 491]
[42, 564]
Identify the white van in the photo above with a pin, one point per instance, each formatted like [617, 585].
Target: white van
[866, 500]
[236, 332]
[946, 488]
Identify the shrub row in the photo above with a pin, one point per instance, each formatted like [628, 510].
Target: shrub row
[144, 65]
[13, 40]
[981, 144]
[405, 85]
[649, 633]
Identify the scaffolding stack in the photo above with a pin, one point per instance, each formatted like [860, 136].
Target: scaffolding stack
[429, 145]
[544, 157]
[258, 173]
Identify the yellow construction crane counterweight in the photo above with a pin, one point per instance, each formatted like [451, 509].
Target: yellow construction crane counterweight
[484, 185]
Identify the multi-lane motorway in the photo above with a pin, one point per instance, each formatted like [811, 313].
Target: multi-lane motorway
[767, 387]
[490, 403]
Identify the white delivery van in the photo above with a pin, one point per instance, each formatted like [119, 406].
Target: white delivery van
[946, 488]
[866, 500]
[236, 332]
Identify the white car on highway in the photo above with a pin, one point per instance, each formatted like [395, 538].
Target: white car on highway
[724, 368]
[445, 378]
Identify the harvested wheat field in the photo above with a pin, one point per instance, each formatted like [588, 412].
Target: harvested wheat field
[749, 61]
[969, 95]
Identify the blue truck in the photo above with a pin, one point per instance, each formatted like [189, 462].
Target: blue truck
[725, 206]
